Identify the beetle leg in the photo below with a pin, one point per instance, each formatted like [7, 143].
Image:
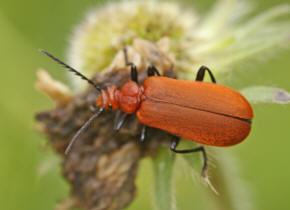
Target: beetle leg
[200, 74]
[134, 73]
[143, 133]
[174, 144]
[151, 71]
[119, 120]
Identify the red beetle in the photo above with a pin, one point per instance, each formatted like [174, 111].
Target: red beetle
[202, 112]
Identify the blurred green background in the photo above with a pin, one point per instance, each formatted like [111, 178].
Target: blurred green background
[30, 173]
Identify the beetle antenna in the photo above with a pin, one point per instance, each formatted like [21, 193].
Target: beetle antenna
[82, 129]
[71, 69]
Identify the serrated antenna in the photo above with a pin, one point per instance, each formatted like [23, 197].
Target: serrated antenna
[71, 69]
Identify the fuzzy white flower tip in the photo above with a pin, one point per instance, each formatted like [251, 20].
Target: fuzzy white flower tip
[106, 30]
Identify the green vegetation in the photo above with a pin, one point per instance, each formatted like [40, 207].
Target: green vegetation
[30, 175]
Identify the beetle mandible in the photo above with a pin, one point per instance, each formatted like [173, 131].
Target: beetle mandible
[203, 112]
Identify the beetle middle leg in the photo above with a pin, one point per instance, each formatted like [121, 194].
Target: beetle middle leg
[174, 144]
[120, 119]
[143, 133]
[152, 70]
[201, 72]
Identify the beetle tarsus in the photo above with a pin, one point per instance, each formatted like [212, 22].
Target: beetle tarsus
[201, 72]
[174, 143]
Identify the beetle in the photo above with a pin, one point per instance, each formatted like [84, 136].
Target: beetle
[203, 112]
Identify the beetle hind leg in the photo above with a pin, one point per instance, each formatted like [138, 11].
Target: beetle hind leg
[174, 143]
[201, 72]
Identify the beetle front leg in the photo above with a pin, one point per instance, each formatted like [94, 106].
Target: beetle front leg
[134, 73]
[201, 72]
[174, 144]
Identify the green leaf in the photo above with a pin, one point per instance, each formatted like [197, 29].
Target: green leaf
[263, 94]
[163, 169]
